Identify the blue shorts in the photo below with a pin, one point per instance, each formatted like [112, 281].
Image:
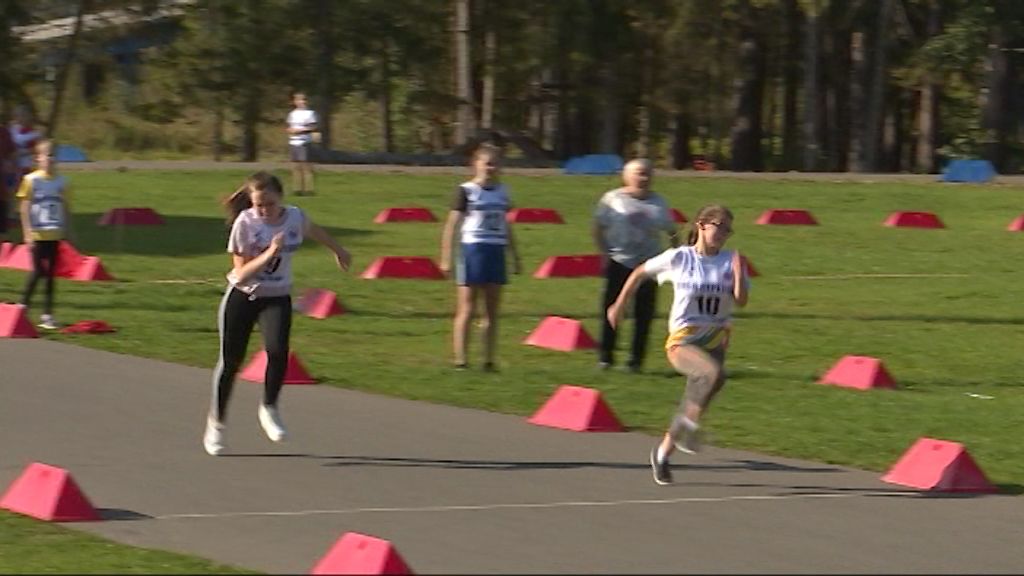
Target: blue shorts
[480, 263]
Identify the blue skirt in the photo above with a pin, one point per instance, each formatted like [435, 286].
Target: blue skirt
[480, 263]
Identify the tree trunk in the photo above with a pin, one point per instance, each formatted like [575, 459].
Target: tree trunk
[325, 70]
[490, 65]
[790, 86]
[465, 124]
[384, 100]
[857, 71]
[682, 157]
[250, 125]
[876, 99]
[60, 82]
[927, 103]
[745, 135]
[995, 122]
[217, 143]
[812, 150]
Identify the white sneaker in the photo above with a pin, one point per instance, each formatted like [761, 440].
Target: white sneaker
[690, 440]
[213, 439]
[270, 420]
[47, 322]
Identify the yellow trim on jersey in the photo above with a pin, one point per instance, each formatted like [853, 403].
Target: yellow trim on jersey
[706, 337]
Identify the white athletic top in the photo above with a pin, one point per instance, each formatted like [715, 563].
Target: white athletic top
[250, 236]
[301, 118]
[485, 209]
[703, 300]
[631, 226]
[47, 212]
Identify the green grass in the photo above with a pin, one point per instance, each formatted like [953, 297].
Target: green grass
[32, 547]
[822, 294]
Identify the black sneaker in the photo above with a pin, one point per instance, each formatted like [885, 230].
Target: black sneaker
[460, 366]
[661, 469]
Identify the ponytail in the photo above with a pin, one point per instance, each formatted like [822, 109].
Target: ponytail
[239, 201]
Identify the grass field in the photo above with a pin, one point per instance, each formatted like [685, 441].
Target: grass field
[941, 308]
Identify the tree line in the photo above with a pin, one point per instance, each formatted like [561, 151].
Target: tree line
[749, 85]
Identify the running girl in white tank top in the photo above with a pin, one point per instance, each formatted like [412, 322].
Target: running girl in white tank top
[265, 233]
[708, 282]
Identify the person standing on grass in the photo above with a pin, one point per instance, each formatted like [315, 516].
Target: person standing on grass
[302, 131]
[45, 221]
[627, 227]
[479, 213]
[708, 282]
[264, 234]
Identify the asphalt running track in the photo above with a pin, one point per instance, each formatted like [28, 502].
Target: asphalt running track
[455, 490]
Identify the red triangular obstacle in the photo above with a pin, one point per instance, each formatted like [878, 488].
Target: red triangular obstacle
[48, 493]
[5, 250]
[356, 553]
[90, 269]
[787, 217]
[571, 266]
[405, 215]
[939, 466]
[914, 220]
[577, 408]
[71, 263]
[403, 267]
[860, 372]
[677, 216]
[534, 216]
[14, 323]
[130, 217]
[557, 333]
[317, 303]
[295, 373]
[1017, 225]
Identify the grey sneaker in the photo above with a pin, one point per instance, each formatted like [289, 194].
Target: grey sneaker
[271, 423]
[690, 441]
[660, 468]
[213, 439]
[47, 322]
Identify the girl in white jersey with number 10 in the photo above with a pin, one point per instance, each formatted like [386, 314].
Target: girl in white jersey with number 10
[479, 213]
[708, 282]
[264, 234]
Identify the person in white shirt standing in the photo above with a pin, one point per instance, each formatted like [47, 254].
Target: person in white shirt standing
[264, 234]
[302, 132]
[627, 229]
[708, 282]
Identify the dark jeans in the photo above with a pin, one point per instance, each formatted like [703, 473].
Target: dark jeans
[643, 312]
[237, 317]
[44, 265]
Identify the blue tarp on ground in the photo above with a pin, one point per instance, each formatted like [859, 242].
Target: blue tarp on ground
[68, 153]
[593, 164]
[968, 171]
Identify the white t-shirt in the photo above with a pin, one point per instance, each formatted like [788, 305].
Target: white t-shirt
[301, 118]
[486, 210]
[632, 226]
[703, 300]
[250, 236]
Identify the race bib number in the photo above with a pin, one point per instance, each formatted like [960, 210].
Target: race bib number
[48, 214]
[494, 221]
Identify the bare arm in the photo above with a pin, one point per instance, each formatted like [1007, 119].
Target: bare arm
[739, 276]
[447, 239]
[513, 247]
[26, 230]
[638, 275]
[245, 267]
[341, 256]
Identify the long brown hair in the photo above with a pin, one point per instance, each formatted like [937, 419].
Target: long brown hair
[239, 200]
[704, 215]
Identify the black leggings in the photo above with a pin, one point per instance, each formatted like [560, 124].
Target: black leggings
[643, 312]
[238, 313]
[44, 264]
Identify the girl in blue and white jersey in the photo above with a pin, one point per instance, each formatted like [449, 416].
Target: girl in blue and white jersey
[265, 233]
[709, 282]
[479, 214]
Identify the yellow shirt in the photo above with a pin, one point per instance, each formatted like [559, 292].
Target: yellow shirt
[47, 211]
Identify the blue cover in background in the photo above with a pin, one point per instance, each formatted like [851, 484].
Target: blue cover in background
[968, 171]
[593, 164]
[68, 153]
